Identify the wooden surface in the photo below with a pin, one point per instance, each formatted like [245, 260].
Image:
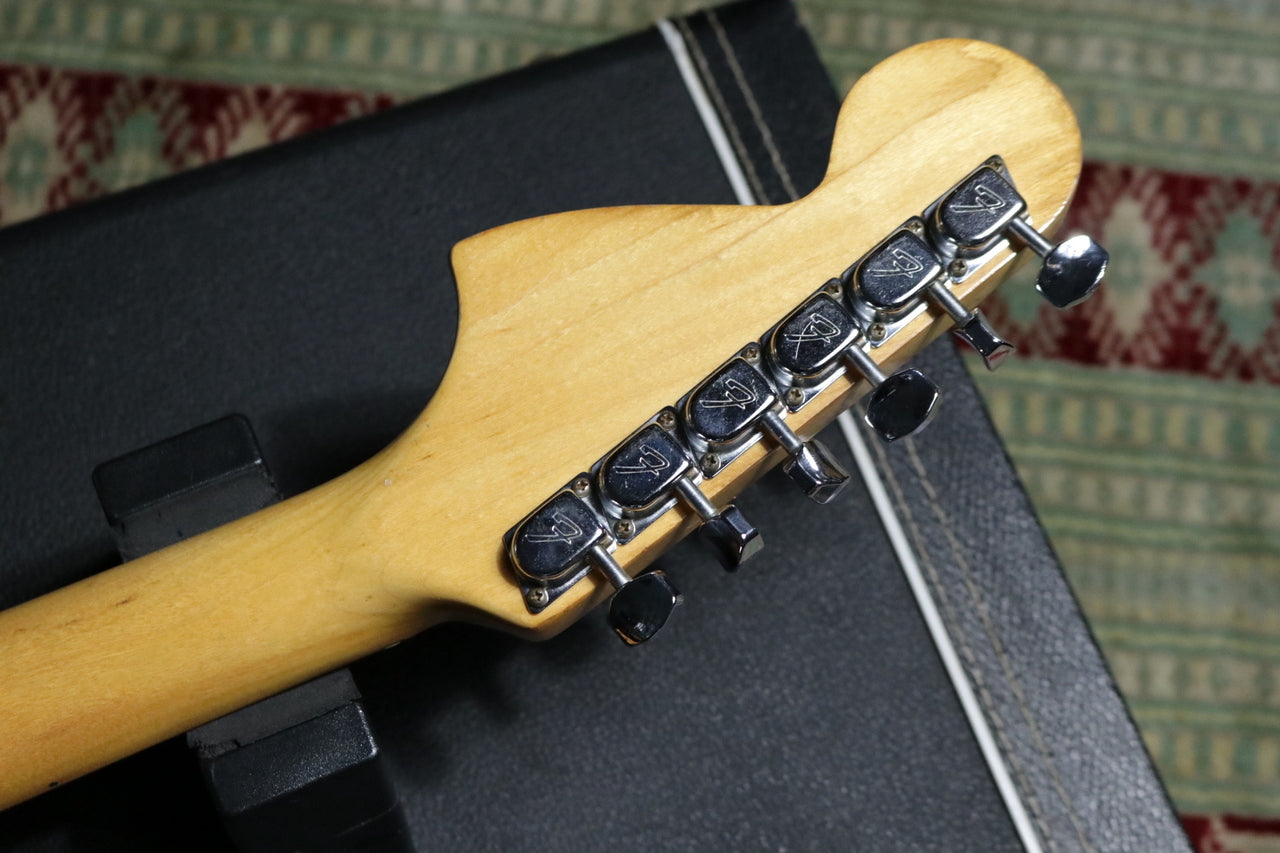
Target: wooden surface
[574, 329]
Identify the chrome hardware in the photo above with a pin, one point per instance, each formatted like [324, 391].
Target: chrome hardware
[835, 329]
[985, 207]
[651, 466]
[894, 275]
[972, 327]
[735, 404]
[563, 539]
[808, 347]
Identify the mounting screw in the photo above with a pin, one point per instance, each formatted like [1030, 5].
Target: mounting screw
[624, 528]
[916, 227]
[957, 268]
[995, 162]
[537, 597]
[581, 486]
[666, 420]
[833, 288]
[710, 463]
[794, 397]
[751, 352]
[877, 332]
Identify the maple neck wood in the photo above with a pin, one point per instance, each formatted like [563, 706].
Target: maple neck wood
[574, 328]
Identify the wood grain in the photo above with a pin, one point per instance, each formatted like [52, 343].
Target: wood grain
[574, 329]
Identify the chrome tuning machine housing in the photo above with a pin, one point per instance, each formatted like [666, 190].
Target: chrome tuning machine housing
[652, 467]
[735, 406]
[564, 539]
[985, 207]
[812, 343]
[894, 276]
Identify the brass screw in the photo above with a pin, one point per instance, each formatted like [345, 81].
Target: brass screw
[751, 352]
[957, 268]
[877, 332]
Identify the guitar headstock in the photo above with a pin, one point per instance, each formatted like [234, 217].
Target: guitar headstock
[621, 374]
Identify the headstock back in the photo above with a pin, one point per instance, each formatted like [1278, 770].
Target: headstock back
[578, 327]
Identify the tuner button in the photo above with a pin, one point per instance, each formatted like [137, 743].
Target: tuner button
[898, 405]
[902, 404]
[736, 539]
[640, 608]
[811, 465]
[972, 327]
[1072, 270]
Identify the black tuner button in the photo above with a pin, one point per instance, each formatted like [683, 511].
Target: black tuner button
[640, 608]
[986, 207]
[736, 399]
[555, 539]
[649, 466]
[891, 277]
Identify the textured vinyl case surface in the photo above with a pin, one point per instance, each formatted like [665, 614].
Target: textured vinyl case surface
[799, 704]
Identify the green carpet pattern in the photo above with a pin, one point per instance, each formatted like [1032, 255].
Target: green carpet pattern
[1161, 494]
[1186, 86]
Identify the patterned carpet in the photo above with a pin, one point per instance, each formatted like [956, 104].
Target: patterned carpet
[1145, 422]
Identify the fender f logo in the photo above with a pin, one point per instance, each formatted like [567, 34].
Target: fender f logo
[818, 328]
[649, 461]
[562, 529]
[736, 396]
[985, 200]
[896, 261]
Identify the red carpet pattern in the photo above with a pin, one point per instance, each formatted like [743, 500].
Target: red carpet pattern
[1197, 260]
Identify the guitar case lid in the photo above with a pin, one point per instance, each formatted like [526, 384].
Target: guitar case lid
[801, 703]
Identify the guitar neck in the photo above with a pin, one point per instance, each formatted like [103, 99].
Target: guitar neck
[152, 648]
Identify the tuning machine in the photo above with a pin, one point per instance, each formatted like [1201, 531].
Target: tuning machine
[560, 541]
[734, 406]
[902, 269]
[653, 467]
[985, 207]
[807, 348]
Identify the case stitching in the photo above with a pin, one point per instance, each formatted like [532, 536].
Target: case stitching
[997, 646]
[735, 137]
